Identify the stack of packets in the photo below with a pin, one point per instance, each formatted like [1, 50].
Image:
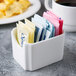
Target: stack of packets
[39, 28]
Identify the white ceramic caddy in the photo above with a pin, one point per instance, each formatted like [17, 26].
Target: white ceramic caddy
[37, 55]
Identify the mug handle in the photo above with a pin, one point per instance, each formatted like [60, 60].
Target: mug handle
[47, 5]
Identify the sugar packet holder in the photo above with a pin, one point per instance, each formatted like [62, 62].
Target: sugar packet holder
[37, 55]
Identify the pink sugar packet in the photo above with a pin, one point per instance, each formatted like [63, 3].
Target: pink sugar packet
[59, 19]
[55, 20]
[53, 15]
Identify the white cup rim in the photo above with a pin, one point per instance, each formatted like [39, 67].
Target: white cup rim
[64, 5]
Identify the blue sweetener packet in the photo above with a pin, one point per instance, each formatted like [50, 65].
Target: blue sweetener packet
[41, 21]
[46, 24]
[51, 28]
[38, 33]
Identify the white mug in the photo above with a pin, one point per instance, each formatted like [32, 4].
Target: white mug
[67, 13]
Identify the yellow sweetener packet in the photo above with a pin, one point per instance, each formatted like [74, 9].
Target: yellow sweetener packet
[32, 26]
[24, 34]
[31, 40]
